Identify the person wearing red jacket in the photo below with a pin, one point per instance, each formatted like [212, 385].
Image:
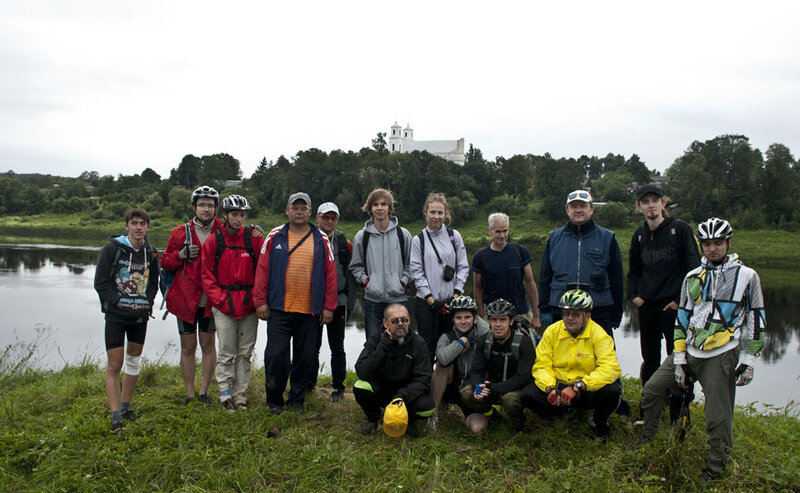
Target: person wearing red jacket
[185, 297]
[229, 261]
[295, 290]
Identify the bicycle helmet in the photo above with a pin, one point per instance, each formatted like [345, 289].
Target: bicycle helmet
[714, 228]
[463, 303]
[235, 203]
[205, 192]
[500, 308]
[576, 299]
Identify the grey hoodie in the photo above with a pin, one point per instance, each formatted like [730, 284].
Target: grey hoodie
[448, 349]
[387, 265]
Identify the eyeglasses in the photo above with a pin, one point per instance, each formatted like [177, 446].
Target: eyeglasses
[579, 194]
[329, 217]
[571, 313]
[395, 321]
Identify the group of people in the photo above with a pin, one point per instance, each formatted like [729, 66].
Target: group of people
[493, 355]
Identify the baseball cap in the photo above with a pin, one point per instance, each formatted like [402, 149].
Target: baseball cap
[581, 195]
[395, 419]
[298, 196]
[327, 207]
[651, 188]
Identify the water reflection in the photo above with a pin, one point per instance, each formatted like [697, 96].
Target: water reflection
[51, 286]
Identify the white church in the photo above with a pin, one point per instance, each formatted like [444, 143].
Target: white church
[402, 140]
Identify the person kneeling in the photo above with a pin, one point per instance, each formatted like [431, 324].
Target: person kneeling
[394, 364]
[501, 369]
[455, 353]
[576, 366]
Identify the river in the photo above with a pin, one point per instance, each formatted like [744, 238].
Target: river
[47, 292]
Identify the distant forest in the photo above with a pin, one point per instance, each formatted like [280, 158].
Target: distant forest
[724, 176]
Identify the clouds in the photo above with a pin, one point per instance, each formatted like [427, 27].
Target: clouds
[117, 88]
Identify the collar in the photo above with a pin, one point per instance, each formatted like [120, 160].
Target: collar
[581, 231]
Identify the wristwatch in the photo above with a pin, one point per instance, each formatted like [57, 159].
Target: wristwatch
[579, 386]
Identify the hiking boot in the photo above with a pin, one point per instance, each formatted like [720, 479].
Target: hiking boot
[411, 430]
[296, 407]
[116, 427]
[229, 405]
[640, 442]
[205, 399]
[129, 415]
[337, 395]
[433, 422]
[275, 410]
[369, 428]
[600, 430]
[708, 476]
[187, 400]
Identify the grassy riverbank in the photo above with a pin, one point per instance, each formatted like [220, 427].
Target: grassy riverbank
[54, 436]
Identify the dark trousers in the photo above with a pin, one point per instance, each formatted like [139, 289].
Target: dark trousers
[430, 324]
[654, 324]
[373, 395]
[301, 330]
[335, 330]
[603, 401]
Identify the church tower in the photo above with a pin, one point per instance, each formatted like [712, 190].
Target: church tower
[396, 138]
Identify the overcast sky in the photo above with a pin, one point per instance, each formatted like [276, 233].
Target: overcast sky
[117, 87]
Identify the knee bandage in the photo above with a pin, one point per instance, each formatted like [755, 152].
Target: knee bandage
[132, 364]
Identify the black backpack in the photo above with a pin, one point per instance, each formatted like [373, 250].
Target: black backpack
[400, 238]
[522, 328]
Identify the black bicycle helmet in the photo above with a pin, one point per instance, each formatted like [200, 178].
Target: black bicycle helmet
[205, 192]
[235, 203]
[500, 308]
[714, 228]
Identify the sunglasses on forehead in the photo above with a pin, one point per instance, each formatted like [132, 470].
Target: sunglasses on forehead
[580, 194]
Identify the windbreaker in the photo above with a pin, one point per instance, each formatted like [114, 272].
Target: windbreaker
[387, 266]
[660, 259]
[450, 350]
[270, 288]
[720, 306]
[126, 280]
[230, 288]
[184, 295]
[563, 359]
[406, 366]
[427, 272]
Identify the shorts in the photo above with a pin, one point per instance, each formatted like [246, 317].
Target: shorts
[117, 330]
[201, 323]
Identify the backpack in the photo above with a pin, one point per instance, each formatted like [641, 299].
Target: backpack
[450, 233]
[482, 251]
[166, 277]
[248, 246]
[400, 238]
[522, 328]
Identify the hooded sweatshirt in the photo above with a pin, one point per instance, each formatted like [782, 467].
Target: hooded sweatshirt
[384, 271]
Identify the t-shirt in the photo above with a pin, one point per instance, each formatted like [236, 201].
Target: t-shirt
[298, 275]
[502, 274]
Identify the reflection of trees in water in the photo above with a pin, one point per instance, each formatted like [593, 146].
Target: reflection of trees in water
[35, 258]
[783, 322]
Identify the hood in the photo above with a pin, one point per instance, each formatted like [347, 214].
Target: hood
[369, 226]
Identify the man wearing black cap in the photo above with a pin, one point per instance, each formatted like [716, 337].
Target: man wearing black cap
[663, 250]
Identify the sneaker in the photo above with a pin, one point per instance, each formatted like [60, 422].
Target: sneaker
[229, 405]
[241, 406]
[337, 395]
[205, 399]
[640, 442]
[369, 428]
[433, 422]
[411, 431]
[116, 427]
[638, 422]
[129, 415]
[275, 410]
[296, 407]
[708, 476]
[187, 400]
[600, 431]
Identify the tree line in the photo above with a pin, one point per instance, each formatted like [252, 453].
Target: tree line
[724, 176]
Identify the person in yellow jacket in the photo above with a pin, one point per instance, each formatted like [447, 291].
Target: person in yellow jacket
[576, 366]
